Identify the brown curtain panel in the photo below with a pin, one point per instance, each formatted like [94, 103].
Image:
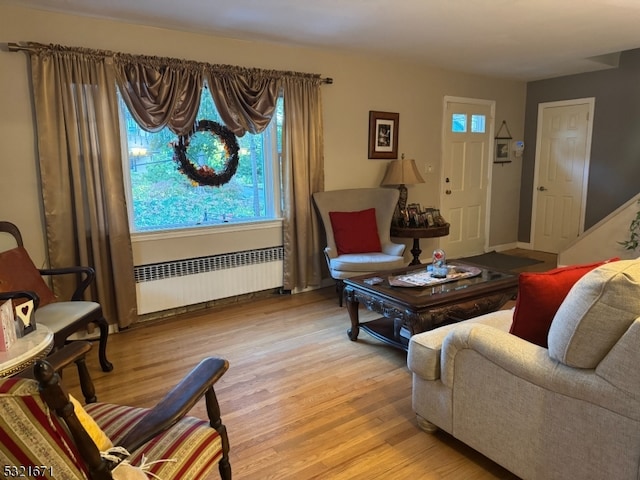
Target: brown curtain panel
[81, 174]
[302, 175]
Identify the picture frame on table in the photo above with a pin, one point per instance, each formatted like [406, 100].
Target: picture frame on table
[429, 218]
[383, 135]
[413, 210]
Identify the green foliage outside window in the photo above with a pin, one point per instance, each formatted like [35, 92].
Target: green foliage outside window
[163, 198]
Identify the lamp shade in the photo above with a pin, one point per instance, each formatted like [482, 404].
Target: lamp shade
[402, 172]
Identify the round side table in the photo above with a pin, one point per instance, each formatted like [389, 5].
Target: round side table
[26, 350]
[417, 233]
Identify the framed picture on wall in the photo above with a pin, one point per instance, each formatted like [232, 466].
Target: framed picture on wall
[383, 135]
[502, 150]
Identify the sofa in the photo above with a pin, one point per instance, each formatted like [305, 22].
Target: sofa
[567, 410]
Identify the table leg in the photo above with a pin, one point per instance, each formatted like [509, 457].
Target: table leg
[416, 252]
[352, 308]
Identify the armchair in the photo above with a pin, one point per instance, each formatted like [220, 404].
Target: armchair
[358, 240]
[571, 410]
[20, 279]
[43, 428]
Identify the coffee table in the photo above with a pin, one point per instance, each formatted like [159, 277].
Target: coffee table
[407, 311]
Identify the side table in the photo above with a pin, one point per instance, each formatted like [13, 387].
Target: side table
[26, 350]
[417, 233]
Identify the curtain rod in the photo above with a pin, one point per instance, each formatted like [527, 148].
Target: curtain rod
[16, 47]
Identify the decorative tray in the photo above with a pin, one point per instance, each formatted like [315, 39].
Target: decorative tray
[424, 278]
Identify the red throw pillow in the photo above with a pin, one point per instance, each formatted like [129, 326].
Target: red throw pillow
[355, 232]
[17, 272]
[540, 296]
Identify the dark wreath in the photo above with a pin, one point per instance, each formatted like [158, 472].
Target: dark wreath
[206, 175]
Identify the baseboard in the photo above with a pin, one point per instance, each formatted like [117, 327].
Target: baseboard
[503, 247]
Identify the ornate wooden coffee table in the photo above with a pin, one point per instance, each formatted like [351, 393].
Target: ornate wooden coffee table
[410, 310]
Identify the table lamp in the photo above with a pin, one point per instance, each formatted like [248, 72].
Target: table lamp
[402, 172]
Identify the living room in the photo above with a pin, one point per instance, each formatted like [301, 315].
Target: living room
[361, 83]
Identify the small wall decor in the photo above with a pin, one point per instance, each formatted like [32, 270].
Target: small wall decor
[503, 145]
[383, 134]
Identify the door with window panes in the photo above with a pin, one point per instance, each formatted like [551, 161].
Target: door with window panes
[465, 176]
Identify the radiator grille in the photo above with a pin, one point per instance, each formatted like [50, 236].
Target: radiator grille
[172, 285]
[192, 266]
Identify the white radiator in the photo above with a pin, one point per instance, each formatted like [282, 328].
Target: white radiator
[164, 286]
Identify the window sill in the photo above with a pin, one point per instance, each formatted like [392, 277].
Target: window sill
[206, 231]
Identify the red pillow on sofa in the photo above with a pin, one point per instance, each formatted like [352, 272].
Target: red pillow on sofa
[355, 232]
[17, 272]
[540, 296]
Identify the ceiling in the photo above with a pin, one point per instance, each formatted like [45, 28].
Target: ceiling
[519, 39]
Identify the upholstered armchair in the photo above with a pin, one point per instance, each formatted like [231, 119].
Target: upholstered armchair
[47, 433]
[20, 280]
[357, 223]
[567, 410]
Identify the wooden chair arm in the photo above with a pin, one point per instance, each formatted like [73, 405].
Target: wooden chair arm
[29, 295]
[88, 272]
[56, 397]
[73, 352]
[67, 355]
[178, 402]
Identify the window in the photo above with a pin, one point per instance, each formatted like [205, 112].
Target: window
[477, 123]
[459, 123]
[162, 198]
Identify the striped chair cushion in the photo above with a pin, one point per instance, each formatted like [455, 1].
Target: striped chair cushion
[197, 456]
[32, 436]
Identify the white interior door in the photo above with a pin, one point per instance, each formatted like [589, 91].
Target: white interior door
[560, 180]
[465, 175]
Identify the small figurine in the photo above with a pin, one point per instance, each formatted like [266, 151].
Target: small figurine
[439, 264]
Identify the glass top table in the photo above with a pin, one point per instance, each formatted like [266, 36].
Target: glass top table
[407, 311]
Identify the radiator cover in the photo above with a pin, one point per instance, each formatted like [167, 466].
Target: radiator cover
[163, 286]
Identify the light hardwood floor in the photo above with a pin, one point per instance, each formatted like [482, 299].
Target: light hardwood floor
[300, 400]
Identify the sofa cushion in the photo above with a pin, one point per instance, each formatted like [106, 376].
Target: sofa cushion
[595, 314]
[197, 456]
[539, 297]
[366, 262]
[355, 232]
[17, 272]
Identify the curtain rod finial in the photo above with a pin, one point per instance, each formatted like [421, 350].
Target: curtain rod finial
[328, 80]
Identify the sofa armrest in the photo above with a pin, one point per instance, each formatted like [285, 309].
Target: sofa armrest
[330, 253]
[395, 249]
[532, 364]
[425, 348]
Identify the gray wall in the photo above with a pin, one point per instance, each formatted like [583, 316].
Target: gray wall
[614, 174]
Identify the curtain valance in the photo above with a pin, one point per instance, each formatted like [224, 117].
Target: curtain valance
[165, 92]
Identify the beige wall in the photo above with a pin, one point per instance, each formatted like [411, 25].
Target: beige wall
[361, 83]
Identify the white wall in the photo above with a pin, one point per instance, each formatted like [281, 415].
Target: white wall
[361, 83]
[600, 242]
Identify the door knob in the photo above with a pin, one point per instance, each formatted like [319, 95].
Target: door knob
[542, 188]
[448, 192]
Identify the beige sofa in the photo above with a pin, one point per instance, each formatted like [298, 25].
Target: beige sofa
[571, 411]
